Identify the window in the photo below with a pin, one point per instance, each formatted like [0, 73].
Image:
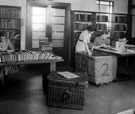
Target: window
[50, 22]
[38, 25]
[105, 7]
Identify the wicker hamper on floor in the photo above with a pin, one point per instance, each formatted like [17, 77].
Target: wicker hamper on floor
[101, 67]
[67, 93]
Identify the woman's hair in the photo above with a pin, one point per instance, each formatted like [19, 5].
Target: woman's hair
[103, 32]
[90, 28]
[2, 33]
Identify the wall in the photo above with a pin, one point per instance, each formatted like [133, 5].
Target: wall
[121, 6]
[84, 5]
[88, 5]
[11, 2]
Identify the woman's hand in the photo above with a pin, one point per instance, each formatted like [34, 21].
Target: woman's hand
[103, 45]
[89, 53]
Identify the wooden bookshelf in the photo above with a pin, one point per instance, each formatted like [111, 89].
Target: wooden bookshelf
[119, 26]
[81, 19]
[102, 21]
[10, 22]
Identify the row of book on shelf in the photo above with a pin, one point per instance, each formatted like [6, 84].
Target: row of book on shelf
[102, 18]
[118, 34]
[83, 17]
[10, 13]
[113, 34]
[118, 27]
[121, 19]
[13, 34]
[27, 55]
[8, 23]
[82, 26]
[99, 18]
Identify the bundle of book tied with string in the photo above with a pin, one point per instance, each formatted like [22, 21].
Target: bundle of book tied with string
[27, 55]
[45, 45]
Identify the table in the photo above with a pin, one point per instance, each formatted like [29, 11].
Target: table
[51, 62]
[117, 53]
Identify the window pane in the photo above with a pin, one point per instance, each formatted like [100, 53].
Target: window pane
[37, 35]
[111, 3]
[59, 20]
[58, 12]
[38, 19]
[35, 44]
[104, 3]
[57, 28]
[97, 2]
[104, 9]
[58, 35]
[39, 27]
[38, 11]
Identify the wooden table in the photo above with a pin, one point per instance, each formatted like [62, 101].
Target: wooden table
[117, 54]
[51, 62]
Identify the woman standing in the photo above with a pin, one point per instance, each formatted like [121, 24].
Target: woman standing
[84, 40]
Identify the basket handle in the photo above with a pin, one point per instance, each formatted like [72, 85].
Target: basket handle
[65, 96]
[83, 62]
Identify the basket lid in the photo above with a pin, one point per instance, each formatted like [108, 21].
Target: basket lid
[72, 77]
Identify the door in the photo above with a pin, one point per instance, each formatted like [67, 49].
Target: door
[51, 22]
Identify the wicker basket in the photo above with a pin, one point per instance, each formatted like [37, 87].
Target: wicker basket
[67, 93]
[101, 67]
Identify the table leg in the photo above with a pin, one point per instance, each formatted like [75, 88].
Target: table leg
[114, 67]
[47, 68]
[52, 66]
[2, 82]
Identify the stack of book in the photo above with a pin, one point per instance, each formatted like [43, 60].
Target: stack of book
[46, 46]
[27, 55]
[121, 19]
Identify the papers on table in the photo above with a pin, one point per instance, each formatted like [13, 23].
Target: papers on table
[110, 48]
[130, 111]
[68, 74]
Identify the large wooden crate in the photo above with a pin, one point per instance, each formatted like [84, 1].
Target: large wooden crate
[81, 62]
[101, 67]
[67, 93]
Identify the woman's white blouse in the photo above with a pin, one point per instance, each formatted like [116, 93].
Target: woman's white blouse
[84, 37]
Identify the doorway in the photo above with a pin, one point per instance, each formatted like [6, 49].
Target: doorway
[50, 21]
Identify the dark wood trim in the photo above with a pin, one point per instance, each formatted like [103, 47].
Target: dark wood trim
[67, 41]
[130, 3]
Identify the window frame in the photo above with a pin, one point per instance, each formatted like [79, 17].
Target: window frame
[111, 6]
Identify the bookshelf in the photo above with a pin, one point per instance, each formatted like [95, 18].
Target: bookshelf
[10, 22]
[117, 23]
[81, 19]
[119, 26]
[102, 21]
